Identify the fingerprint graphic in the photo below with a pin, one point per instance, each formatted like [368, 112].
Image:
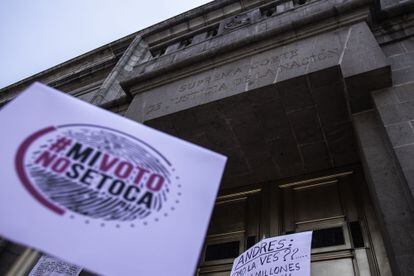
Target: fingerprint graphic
[95, 203]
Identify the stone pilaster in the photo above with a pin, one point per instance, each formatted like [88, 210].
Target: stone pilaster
[389, 190]
[111, 91]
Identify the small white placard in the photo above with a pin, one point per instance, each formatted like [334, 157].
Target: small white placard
[102, 191]
[49, 266]
[276, 256]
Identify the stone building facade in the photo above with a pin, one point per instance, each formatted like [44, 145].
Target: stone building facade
[313, 103]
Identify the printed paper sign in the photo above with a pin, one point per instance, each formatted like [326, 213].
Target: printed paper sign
[49, 266]
[287, 255]
[101, 191]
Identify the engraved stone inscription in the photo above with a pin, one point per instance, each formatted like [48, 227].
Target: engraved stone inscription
[258, 70]
[239, 77]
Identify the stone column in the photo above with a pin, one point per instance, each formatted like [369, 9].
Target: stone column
[389, 190]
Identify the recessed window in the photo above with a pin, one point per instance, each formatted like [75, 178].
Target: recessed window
[251, 240]
[221, 251]
[268, 11]
[328, 237]
[356, 233]
[185, 42]
[159, 52]
[212, 32]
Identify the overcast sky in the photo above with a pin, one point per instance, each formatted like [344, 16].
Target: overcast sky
[38, 34]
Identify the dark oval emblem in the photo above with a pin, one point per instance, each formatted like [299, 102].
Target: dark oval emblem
[96, 172]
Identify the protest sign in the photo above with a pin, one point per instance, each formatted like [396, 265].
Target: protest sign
[49, 266]
[102, 191]
[287, 255]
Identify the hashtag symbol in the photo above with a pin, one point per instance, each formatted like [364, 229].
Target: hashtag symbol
[60, 144]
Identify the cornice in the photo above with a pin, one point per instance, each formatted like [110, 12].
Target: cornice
[118, 46]
[306, 20]
[115, 49]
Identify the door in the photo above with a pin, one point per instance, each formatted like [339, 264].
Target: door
[344, 243]
[234, 227]
[333, 207]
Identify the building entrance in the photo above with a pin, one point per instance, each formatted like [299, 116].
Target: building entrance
[335, 206]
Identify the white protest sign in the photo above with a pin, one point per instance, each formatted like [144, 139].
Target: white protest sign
[49, 266]
[276, 256]
[101, 191]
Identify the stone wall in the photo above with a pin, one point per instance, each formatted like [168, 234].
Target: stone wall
[307, 44]
[386, 141]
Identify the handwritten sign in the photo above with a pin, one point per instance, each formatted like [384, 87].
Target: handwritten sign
[102, 191]
[278, 256]
[49, 266]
